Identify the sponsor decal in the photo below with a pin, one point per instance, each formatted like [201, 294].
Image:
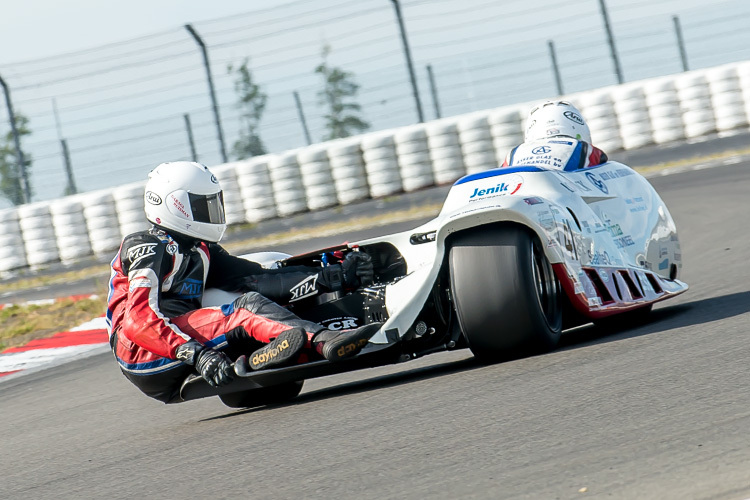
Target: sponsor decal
[641, 208]
[140, 252]
[541, 150]
[663, 252]
[624, 241]
[598, 183]
[305, 288]
[572, 116]
[533, 200]
[510, 185]
[614, 174]
[214, 179]
[546, 220]
[153, 198]
[594, 301]
[553, 131]
[172, 247]
[340, 323]
[190, 289]
[158, 220]
[567, 143]
[177, 204]
[604, 275]
[615, 230]
[663, 264]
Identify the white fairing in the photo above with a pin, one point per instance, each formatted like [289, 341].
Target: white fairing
[603, 228]
[605, 218]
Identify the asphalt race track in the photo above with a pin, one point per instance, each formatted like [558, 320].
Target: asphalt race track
[657, 412]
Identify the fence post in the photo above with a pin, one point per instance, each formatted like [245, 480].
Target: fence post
[433, 91]
[409, 64]
[302, 118]
[26, 189]
[214, 104]
[555, 67]
[189, 129]
[680, 42]
[611, 41]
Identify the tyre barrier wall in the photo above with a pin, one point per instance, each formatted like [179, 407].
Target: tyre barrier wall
[383, 163]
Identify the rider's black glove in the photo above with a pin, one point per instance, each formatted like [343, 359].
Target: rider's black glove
[358, 270]
[214, 366]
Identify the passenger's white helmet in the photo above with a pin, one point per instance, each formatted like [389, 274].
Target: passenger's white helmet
[554, 119]
[185, 197]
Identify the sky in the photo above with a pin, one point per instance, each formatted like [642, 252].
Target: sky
[115, 79]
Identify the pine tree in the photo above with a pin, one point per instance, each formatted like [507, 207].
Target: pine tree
[11, 186]
[342, 119]
[252, 103]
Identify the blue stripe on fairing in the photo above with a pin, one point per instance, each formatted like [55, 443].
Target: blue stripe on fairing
[575, 162]
[495, 172]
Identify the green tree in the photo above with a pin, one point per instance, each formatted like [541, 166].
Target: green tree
[252, 103]
[342, 119]
[11, 186]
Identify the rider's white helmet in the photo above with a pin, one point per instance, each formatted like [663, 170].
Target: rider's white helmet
[554, 119]
[185, 197]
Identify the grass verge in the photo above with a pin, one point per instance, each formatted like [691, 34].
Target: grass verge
[22, 324]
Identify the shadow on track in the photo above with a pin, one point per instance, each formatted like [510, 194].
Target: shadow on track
[660, 320]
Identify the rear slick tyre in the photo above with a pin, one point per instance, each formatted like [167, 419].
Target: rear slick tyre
[507, 298]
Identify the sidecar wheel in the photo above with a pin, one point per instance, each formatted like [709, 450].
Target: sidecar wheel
[261, 397]
[506, 295]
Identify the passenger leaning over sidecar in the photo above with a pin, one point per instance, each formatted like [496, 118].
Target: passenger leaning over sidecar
[556, 137]
[159, 332]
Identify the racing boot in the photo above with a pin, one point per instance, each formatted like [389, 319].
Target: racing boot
[335, 345]
[282, 350]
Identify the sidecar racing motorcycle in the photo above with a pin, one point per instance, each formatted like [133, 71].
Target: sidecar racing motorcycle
[515, 256]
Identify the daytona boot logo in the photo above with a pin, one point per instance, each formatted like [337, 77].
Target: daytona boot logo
[266, 356]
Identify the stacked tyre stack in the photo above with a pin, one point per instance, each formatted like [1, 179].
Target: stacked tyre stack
[12, 252]
[695, 102]
[743, 73]
[234, 209]
[348, 171]
[477, 143]
[317, 178]
[599, 111]
[726, 98]
[381, 164]
[256, 190]
[71, 233]
[506, 127]
[101, 222]
[664, 110]
[130, 206]
[445, 151]
[632, 116]
[414, 163]
[286, 179]
[38, 233]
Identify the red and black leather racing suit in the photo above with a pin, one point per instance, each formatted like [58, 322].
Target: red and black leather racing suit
[154, 305]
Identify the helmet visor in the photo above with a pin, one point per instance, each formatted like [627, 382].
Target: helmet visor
[208, 208]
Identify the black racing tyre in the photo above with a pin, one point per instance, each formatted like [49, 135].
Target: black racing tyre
[507, 298]
[261, 397]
